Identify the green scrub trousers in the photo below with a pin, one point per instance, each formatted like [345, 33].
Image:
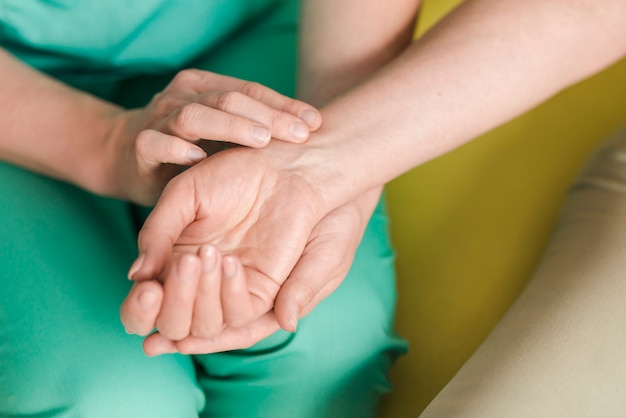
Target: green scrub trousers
[64, 252]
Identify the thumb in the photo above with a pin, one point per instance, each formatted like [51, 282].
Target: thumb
[174, 211]
[313, 278]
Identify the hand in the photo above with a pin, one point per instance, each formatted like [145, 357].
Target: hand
[247, 204]
[325, 262]
[148, 145]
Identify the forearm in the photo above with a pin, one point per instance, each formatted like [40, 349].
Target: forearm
[51, 128]
[342, 43]
[340, 48]
[486, 63]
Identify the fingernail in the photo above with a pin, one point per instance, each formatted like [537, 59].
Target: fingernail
[208, 255]
[147, 299]
[195, 154]
[299, 131]
[309, 116]
[260, 134]
[127, 331]
[186, 267]
[134, 268]
[230, 266]
[293, 319]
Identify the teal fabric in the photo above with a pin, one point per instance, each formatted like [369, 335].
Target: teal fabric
[64, 254]
[110, 39]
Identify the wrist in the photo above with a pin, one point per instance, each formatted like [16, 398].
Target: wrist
[323, 165]
[100, 166]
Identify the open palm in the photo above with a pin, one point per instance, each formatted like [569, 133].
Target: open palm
[243, 204]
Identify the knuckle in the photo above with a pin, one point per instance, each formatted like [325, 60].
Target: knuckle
[229, 101]
[233, 126]
[277, 118]
[187, 75]
[162, 103]
[171, 151]
[186, 115]
[255, 90]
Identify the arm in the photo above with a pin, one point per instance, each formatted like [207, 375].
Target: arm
[484, 64]
[487, 62]
[484, 29]
[44, 125]
[343, 43]
[338, 48]
[61, 132]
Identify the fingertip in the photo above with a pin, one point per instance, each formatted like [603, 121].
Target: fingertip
[154, 258]
[196, 154]
[230, 266]
[140, 308]
[136, 266]
[156, 345]
[313, 118]
[147, 270]
[208, 256]
[260, 135]
[188, 267]
[287, 317]
[299, 132]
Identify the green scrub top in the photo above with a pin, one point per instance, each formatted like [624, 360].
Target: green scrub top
[83, 41]
[65, 252]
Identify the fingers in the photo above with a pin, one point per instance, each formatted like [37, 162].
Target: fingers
[141, 307]
[243, 121]
[228, 339]
[321, 269]
[207, 314]
[174, 211]
[236, 299]
[154, 148]
[306, 286]
[283, 125]
[202, 82]
[203, 105]
[214, 311]
[271, 98]
[180, 284]
[157, 344]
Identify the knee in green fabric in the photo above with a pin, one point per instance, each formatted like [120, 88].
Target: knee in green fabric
[336, 365]
[63, 350]
[102, 385]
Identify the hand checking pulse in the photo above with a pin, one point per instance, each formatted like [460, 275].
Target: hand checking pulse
[150, 144]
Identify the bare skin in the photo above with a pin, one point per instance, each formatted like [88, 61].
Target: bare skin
[484, 64]
[325, 60]
[131, 154]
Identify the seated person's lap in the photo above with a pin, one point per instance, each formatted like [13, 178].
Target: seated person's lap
[63, 351]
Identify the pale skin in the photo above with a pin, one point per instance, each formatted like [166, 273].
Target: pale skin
[484, 64]
[326, 58]
[131, 154]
